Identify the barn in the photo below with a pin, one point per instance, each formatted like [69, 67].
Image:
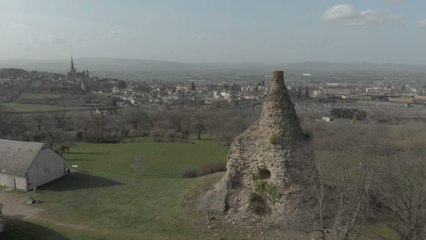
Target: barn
[27, 165]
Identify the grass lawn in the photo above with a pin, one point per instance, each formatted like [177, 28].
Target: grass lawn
[25, 107]
[107, 199]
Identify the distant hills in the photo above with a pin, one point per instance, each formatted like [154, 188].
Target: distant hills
[132, 68]
[117, 64]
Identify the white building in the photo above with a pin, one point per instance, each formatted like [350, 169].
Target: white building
[27, 165]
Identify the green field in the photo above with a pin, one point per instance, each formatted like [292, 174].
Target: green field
[106, 199]
[24, 107]
[39, 96]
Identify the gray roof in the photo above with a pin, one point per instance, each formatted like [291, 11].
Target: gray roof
[16, 157]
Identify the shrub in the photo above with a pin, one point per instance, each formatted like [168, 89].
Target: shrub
[171, 135]
[157, 134]
[212, 168]
[182, 136]
[274, 139]
[134, 133]
[190, 173]
[79, 135]
[204, 170]
[102, 135]
[308, 135]
[268, 190]
[356, 114]
[39, 136]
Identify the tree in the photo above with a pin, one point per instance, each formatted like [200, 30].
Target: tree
[157, 134]
[199, 123]
[60, 119]
[121, 84]
[38, 119]
[98, 120]
[338, 217]
[137, 118]
[306, 92]
[404, 199]
[342, 191]
[192, 86]
[11, 124]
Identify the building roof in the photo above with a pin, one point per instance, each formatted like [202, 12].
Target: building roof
[16, 157]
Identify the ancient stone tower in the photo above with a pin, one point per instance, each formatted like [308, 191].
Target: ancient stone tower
[266, 167]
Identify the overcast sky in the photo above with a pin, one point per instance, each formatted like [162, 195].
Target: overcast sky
[273, 31]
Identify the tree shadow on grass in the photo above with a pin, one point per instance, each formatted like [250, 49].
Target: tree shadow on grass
[79, 159]
[78, 181]
[17, 229]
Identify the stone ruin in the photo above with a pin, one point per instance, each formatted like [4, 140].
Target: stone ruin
[267, 166]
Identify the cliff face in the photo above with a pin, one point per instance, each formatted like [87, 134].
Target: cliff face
[265, 168]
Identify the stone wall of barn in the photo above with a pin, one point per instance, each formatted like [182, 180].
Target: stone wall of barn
[9, 181]
[47, 167]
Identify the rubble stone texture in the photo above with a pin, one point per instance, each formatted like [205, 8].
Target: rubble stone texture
[265, 173]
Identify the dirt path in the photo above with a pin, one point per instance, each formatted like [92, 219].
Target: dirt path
[14, 206]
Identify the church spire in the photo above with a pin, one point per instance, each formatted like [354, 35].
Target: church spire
[72, 68]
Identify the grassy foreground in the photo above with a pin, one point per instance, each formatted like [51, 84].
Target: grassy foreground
[106, 199]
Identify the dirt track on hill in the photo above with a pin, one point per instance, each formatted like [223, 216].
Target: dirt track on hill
[14, 206]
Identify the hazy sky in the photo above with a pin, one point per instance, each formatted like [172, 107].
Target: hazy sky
[279, 31]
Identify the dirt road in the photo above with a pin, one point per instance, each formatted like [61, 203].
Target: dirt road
[14, 205]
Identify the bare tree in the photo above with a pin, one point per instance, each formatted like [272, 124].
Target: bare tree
[199, 123]
[404, 198]
[38, 119]
[11, 124]
[60, 119]
[341, 195]
[98, 120]
[137, 118]
[341, 192]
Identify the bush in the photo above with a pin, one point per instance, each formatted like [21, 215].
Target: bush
[268, 190]
[79, 135]
[157, 134]
[171, 135]
[356, 114]
[102, 135]
[190, 173]
[274, 139]
[212, 168]
[39, 136]
[204, 170]
[134, 133]
[182, 137]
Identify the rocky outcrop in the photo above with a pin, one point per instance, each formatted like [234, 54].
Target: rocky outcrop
[266, 168]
